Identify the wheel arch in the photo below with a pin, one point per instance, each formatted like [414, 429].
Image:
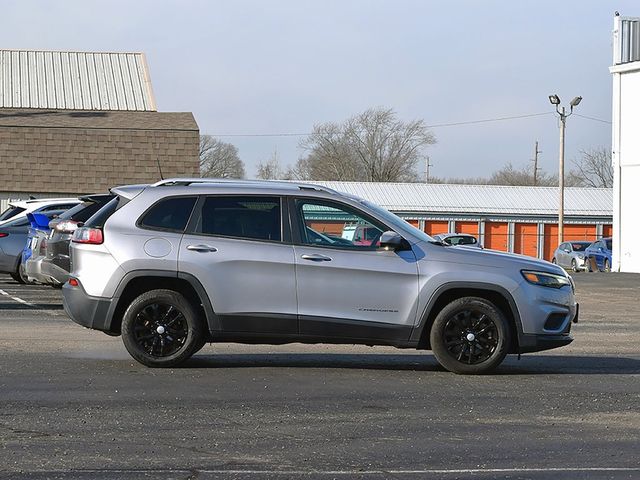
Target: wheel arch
[449, 292]
[136, 282]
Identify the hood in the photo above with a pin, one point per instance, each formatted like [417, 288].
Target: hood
[491, 258]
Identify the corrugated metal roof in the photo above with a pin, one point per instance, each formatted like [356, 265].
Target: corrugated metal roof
[75, 80]
[479, 199]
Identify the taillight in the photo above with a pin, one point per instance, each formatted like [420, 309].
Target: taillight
[73, 282]
[68, 226]
[43, 246]
[88, 235]
[2, 234]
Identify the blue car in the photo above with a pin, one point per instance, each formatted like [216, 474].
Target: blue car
[598, 254]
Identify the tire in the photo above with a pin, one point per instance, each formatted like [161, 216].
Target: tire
[464, 325]
[607, 265]
[160, 328]
[574, 265]
[554, 261]
[20, 275]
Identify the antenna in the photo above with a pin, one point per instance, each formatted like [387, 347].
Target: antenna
[159, 168]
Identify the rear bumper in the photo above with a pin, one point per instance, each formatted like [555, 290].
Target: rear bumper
[33, 270]
[56, 272]
[88, 311]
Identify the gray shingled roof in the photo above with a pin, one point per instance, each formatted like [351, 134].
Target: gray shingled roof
[479, 199]
[97, 119]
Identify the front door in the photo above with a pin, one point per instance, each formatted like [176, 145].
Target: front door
[235, 247]
[347, 286]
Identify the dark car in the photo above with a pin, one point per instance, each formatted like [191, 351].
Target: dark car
[599, 255]
[56, 265]
[13, 238]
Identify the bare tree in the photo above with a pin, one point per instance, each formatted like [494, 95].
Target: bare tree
[594, 168]
[219, 159]
[271, 169]
[372, 146]
[510, 175]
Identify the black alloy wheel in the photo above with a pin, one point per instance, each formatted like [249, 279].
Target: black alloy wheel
[160, 328]
[470, 335]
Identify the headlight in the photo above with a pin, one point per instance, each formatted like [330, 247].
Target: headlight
[545, 279]
[580, 256]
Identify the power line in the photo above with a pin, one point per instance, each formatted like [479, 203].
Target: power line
[592, 118]
[437, 125]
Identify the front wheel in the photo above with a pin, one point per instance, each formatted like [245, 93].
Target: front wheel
[574, 265]
[161, 329]
[470, 336]
[607, 265]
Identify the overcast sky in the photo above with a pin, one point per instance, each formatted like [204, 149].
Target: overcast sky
[278, 67]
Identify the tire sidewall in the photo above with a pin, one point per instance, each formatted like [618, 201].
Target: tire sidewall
[477, 304]
[195, 332]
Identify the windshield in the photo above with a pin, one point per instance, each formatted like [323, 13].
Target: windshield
[579, 247]
[395, 221]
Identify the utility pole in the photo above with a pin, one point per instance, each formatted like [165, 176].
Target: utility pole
[426, 168]
[535, 165]
[562, 112]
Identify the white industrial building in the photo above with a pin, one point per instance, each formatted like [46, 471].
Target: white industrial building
[512, 219]
[626, 144]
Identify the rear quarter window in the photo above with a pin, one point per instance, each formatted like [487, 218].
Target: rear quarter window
[170, 214]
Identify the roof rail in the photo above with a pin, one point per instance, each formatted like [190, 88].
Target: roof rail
[189, 181]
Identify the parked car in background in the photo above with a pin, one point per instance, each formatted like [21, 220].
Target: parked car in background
[599, 255]
[55, 264]
[571, 255]
[20, 208]
[174, 265]
[13, 238]
[458, 239]
[35, 246]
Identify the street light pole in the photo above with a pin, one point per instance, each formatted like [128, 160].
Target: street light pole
[562, 112]
[563, 124]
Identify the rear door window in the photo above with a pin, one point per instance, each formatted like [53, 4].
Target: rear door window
[256, 218]
[170, 214]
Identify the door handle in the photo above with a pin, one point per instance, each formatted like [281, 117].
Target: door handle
[316, 257]
[202, 248]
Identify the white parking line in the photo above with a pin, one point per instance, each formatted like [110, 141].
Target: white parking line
[17, 299]
[433, 471]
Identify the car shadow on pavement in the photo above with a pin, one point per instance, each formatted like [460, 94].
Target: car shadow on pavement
[32, 306]
[527, 365]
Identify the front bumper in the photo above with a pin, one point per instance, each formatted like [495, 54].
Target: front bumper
[88, 311]
[537, 343]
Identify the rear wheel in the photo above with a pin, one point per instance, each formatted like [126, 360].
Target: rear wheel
[470, 336]
[161, 329]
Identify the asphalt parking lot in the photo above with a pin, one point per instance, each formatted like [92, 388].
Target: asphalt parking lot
[74, 405]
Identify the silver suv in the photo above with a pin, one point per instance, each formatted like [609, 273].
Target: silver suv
[182, 262]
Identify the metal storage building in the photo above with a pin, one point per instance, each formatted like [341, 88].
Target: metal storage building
[512, 219]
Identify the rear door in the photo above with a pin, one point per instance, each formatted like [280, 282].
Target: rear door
[236, 247]
[346, 289]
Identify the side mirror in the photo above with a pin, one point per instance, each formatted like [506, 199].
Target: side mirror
[393, 241]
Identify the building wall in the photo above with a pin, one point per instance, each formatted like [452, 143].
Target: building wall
[626, 165]
[85, 152]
